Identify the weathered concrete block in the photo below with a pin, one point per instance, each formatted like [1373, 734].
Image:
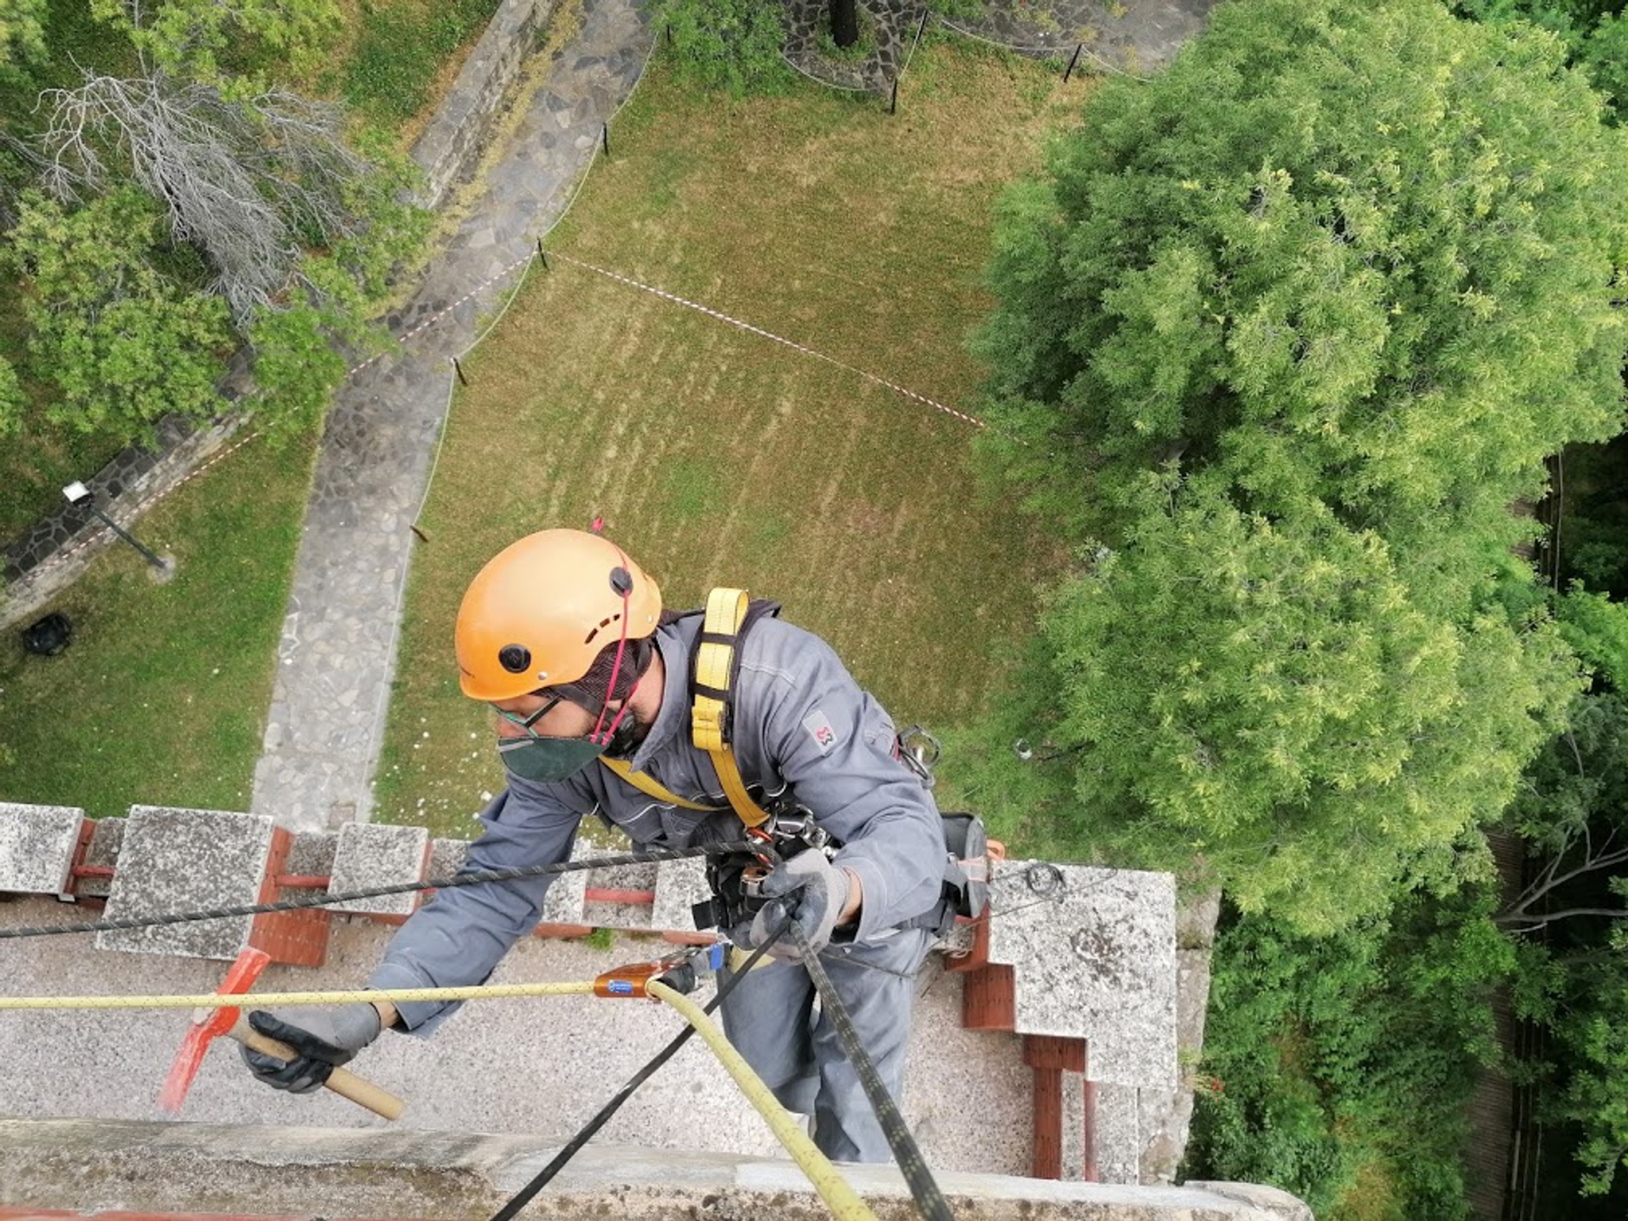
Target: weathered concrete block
[1076, 1123]
[92, 1165]
[37, 846]
[1094, 958]
[447, 857]
[379, 854]
[178, 860]
[640, 879]
[679, 886]
[313, 853]
[564, 902]
[1118, 1129]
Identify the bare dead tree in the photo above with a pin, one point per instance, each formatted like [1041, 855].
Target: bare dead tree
[1519, 916]
[247, 181]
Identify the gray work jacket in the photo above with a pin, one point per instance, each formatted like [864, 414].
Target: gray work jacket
[800, 722]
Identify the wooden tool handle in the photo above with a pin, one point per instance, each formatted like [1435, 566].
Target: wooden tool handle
[341, 1081]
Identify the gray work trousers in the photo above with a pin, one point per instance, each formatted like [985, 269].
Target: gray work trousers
[774, 1020]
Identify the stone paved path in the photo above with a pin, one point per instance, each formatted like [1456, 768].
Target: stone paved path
[337, 651]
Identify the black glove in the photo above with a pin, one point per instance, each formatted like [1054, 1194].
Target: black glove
[821, 891]
[325, 1036]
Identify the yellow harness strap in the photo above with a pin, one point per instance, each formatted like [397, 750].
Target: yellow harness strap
[709, 715]
[648, 786]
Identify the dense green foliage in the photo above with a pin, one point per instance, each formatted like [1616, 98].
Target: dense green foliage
[1594, 32]
[1281, 337]
[22, 35]
[1285, 706]
[732, 45]
[1352, 1051]
[122, 342]
[211, 41]
[191, 199]
[1573, 919]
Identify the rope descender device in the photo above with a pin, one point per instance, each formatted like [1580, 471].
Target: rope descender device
[680, 972]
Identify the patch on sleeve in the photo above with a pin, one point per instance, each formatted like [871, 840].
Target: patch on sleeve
[820, 730]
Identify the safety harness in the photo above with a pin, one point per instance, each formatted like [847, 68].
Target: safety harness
[715, 663]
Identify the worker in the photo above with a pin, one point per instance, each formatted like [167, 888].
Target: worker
[591, 686]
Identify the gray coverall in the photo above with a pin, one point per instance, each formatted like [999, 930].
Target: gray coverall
[800, 721]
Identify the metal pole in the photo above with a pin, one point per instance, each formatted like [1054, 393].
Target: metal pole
[127, 537]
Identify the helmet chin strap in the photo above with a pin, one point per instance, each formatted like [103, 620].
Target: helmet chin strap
[603, 733]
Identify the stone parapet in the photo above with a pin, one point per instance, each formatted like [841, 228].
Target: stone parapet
[105, 1165]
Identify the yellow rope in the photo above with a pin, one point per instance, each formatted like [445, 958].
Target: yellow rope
[839, 1197]
[257, 1000]
[843, 1201]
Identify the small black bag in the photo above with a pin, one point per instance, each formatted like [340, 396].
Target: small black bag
[49, 635]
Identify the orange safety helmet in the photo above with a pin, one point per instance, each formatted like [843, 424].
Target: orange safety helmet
[544, 607]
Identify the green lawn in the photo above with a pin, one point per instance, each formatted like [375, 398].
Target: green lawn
[162, 696]
[719, 458]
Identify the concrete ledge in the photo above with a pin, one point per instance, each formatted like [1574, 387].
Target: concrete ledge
[452, 144]
[92, 1165]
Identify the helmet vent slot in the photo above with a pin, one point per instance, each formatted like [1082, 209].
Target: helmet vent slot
[599, 627]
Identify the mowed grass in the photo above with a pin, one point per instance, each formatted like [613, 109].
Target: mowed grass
[161, 698]
[717, 457]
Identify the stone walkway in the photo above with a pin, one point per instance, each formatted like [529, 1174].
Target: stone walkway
[337, 652]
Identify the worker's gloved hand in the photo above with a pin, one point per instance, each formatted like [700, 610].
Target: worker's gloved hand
[813, 890]
[325, 1036]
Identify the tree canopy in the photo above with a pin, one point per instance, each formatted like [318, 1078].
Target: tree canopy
[195, 205]
[1281, 337]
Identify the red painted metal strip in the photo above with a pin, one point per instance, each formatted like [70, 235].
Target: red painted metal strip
[302, 881]
[643, 898]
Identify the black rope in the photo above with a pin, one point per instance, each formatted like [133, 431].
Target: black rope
[574, 1145]
[324, 899]
[930, 1201]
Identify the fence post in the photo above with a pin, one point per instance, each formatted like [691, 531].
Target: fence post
[893, 104]
[604, 138]
[1072, 62]
[457, 367]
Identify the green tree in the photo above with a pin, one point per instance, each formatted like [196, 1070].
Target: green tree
[1365, 255]
[1289, 329]
[22, 35]
[1269, 697]
[120, 337]
[1593, 1031]
[190, 38]
[1573, 814]
[1593, 30]
[1352, 1051]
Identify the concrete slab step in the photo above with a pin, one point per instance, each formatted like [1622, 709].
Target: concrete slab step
[1093, 956]
[369, 855]
[37, 847]
[179, 860]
